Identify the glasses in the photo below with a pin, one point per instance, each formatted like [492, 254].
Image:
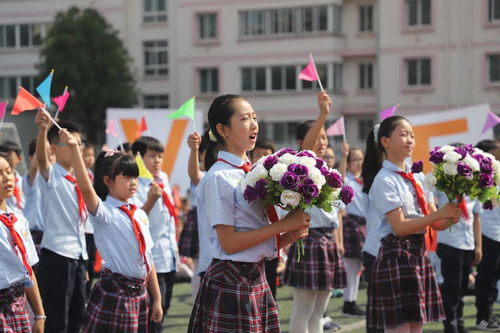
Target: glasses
[62, 144]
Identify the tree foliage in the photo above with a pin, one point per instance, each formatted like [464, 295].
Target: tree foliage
[89, 58]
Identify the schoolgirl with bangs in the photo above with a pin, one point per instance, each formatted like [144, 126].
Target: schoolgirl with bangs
[119, 301]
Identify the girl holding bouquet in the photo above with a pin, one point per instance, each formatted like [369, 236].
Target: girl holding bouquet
[320, 270]
[234, 294]
[404, 293]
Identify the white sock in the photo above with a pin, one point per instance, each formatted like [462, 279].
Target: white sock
[307, 310]
[352, 270]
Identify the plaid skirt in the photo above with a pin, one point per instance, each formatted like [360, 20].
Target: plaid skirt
[234, 297]
[117, 304]
[354, 232]
[320, 268]
[14, 313]
[188, 242]
[403, 286]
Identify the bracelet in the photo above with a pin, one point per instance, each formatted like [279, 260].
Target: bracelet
[41, 317]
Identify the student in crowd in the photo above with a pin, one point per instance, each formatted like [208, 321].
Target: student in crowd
[63, 255]
[14, 151]
[119, 301]
[240, 235]
[403, 287]
[155, 198]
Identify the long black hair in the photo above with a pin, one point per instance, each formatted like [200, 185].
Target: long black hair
[220, 112]
[117, 164]
[374, 155]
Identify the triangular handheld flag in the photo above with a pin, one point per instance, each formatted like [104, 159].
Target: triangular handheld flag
[43, 88]
[187, 110]
[3, 108]
[337, 128]
[61, 100]
[389, 112]
[309, 73]
[142, 127]
[491, 121]
[111, 129]
[25, 102]
[143, 171]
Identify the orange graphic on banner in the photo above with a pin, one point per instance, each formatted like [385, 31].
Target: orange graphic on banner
[423, 134]
[129, 127]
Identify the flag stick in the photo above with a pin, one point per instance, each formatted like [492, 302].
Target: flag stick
[50, 118]
[3, 116]
[120, 144]
[319, 80]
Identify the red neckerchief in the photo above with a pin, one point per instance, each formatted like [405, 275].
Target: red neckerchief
[82, 209]
[9, 223]
[137, 231]
[245, 167]
[359, 181]
[463, 207]
[430, 234]
[168, 203]
[17, 194]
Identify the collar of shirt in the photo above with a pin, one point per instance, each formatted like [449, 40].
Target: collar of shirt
[231, 158]
[114, 201]
[58, 168]
[393, 167]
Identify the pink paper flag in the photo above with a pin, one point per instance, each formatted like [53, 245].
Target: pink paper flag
[337, 128]
[309, 73]
[111, 129]
[61, 100]
[389, 112]
[491, 121]
[3, 108]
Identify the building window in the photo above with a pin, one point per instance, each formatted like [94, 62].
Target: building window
[493, 10]
[418, 72]
[364, 128]
[283, 78]
[22, 35]
[156, 58]
[156, 101]
[494, 68]
[9, 85]
[337, 75]
[209, 80]
[289, 21]
[282, 133]
[155, 11]
[207, 26]
[366, 18]
[419, 12]
[253, 78]
[366, 76]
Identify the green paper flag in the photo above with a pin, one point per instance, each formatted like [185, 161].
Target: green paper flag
[186, 110]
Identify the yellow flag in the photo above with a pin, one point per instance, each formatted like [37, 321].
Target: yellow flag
[143, 171]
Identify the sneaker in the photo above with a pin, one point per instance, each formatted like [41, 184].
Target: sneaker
[350, 309]
[485, 325]
[329, 325]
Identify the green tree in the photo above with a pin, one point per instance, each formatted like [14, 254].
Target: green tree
[89, 58]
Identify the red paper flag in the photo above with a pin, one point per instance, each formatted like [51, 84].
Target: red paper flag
[309, 73]
[142, 127]
[25, 102]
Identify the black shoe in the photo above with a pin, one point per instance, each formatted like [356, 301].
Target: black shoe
[350, 309]
[490, 326]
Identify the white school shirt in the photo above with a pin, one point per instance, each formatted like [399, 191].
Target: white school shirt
[162, 225]
[220, 201]
[490, 222]
[373, 235]
[11, 201]
[115, 239]
[359, 204]
[461, 234]
[64, 233]
[390, 191]
[13, 270]
[33, 206]
[322, 219]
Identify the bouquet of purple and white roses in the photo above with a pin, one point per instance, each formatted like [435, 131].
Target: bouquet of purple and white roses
[295, 180]
[465, 170]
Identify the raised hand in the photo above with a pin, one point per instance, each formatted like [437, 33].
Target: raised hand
[67, 138]
[194, 141]
[42, 119]
[324, 102]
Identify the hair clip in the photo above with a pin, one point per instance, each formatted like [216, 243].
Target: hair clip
[375, 132]
[212, 137]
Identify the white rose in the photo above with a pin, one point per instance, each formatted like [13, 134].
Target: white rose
[288, 159]
[291, 198]
[490, 156]
[307, 161]
[496, 168]
[452, 157]
[261, 160]
[446, 148]
[430, 181]
[316, 176]
[471, 162]
[277, 171]
[450, 169]
[255, 174]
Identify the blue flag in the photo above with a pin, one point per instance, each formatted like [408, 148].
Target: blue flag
[43, 89]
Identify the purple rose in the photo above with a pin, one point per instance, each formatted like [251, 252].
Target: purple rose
[309, 190]
[270, 161]
[469, 148]
[324, 171]
[436, 157]
[463, 169]
[485, 180]
[304, 153]
[488, 205]
[298, 169]
[283, 151]
[461, 150]
[250, 194]
[417, 167]
[346, 194]
[486, 165]
[289, 180]
[260, 188]
[319, 163]
[334, 179]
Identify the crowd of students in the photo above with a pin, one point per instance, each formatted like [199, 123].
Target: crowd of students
[96, 248]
